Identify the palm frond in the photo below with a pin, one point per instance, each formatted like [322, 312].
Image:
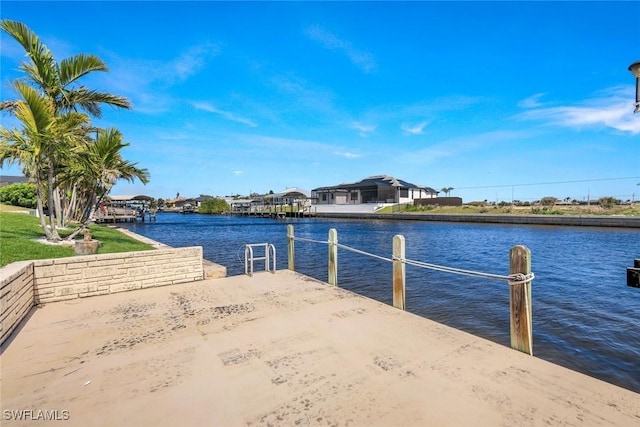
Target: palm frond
[43, 67]
[35, 111]
[91, 101]
[71, 69]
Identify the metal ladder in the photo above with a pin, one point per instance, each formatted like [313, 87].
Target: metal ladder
[269, 254]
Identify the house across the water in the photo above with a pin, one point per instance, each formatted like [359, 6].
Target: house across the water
[380, 189]
[289, 202]
[124, 208]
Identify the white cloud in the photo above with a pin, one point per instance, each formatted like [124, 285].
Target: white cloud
[328, 40]
[363, 129]
[297, 94]
[226, 114]
[531, 102]
[347, 154]
[414, 130]
[145, 81]
[457, 146]
[238, 173]
[192, 60]
[612, 109]
[173, 136]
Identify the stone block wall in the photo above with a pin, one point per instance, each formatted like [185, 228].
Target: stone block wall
[90, 275]
[28, 283]
[16, 296]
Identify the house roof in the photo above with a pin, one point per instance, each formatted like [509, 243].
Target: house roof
[12, 179]
[376, 181]
[127, 198]
[176, 200]
[293, 192]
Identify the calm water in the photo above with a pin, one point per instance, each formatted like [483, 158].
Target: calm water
[585, 317]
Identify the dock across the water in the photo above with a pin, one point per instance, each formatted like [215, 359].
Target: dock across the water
[282, 349]
[114, 215]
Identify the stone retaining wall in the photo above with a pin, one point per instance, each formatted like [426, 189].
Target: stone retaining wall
[28, 283]
[16, 296]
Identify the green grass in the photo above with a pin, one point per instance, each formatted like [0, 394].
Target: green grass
[19, 234]
[628, 210]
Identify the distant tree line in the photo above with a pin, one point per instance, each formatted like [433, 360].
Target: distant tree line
[214, 206]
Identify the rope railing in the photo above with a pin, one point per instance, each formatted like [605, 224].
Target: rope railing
[519, 279]
[513, 279]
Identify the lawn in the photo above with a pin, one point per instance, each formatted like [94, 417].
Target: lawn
[19, 234]
[629, 210]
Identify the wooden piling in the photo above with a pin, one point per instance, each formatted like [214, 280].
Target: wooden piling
[333, 257]
[291, 254]
[520, 301]
[399, 277]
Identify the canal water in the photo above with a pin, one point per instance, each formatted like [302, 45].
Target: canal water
[585, 317]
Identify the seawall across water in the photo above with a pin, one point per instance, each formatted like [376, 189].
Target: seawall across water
[566, 220]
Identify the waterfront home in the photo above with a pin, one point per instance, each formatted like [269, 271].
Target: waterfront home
[290, 196]
[135, 202]
[177, 203]
[374, 189]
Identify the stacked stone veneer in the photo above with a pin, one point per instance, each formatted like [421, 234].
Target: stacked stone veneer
[28, 283]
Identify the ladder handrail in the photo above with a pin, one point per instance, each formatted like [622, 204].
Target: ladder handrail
[269, 254]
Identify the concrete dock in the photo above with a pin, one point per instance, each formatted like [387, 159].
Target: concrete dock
[279, 350]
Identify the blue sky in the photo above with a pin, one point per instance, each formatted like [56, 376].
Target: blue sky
[499, 100]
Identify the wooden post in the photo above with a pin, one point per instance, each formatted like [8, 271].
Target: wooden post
[399, 278]
[291, 253]
[333, 257]
[520, 301]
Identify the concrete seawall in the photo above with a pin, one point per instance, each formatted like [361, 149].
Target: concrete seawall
[564, 220]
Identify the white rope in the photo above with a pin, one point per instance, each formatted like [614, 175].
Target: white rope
[513, 279]
[302, 239]
[357, 251]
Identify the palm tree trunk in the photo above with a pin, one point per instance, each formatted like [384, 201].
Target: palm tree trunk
[40, 208]
[85, 217]
[53, 231]
[71, 205]
[57, 205]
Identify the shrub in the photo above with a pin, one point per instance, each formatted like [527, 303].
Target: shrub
[548, 201]
[23, 195]
[214, 206]
[608, 202]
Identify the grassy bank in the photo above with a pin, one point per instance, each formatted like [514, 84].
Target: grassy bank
[630, 210]
[19, 234]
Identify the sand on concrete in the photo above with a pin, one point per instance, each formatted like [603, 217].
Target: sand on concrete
[280, 349]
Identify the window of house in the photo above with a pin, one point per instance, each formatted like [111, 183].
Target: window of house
[404, 192]
[354, 196]
[324, 197]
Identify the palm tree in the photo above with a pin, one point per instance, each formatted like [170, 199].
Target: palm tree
[101, 166]
[447, 190]
[49, 114]
[58, 81]
[43, 141]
